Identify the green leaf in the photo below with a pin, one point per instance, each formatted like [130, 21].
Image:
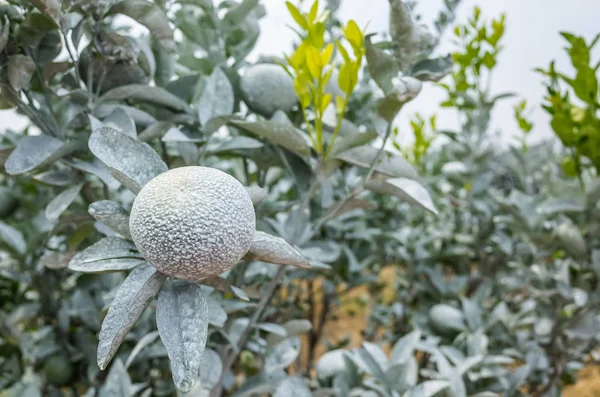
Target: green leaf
[405, 347]
[405, 189]
[62, 201]
[217, 98]
[211, 369]
[432, 69]
[428, 388]
[133, 163]
[151, 16]
[267, 248]
[107, 255]
[297, 15]
[55, 177]
[133, 296]
[112, 215]
[52, 8]
[237, 143]
[36, 151]
[182, 320]
[97, 168]
[239, 12]
[257, 193]
[287, 136]
[154, 95]
[389, 164]
[20, 68]
[4, 32]
[381, 66]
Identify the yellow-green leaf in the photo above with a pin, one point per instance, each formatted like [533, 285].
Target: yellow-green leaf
[345, 77]
[340, 104]
[326, 54]
[313, 12]
[297, 15]
[354, 36]
[325, 102]
[343, 51]
[313, 61]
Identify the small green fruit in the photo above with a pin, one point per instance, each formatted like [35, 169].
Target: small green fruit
[267, 88]
[193, 222]
[58, 370]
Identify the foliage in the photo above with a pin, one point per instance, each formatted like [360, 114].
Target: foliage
[494, 252]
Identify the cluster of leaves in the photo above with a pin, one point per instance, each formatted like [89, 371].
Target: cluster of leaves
[496, 295]
[575, 120]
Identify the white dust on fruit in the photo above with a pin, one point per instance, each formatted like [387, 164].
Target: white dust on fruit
[268, 88]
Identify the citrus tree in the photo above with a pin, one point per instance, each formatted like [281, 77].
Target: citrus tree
[177, 220]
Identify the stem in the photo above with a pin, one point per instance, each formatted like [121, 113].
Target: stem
[75, 61]
[338, 127]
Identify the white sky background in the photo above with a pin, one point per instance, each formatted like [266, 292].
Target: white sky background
[531, 40]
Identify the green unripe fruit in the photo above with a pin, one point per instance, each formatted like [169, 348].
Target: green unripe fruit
[58, 370]
[193, 222]
[267, 88]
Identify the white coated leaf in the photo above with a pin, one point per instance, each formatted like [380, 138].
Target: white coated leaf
[389, 164]
[132, 163]
[32, 152]
[182, 320]
[211, 369]
[145, 341]
[55, 177]
[112, 215]
[280, 134]
[268, 248]
[216, 314]
[154, 95]
[282, 355]
[405, 189]
[223, 285]
[292, 387]
[217, 98]
[133, 296]
[405, 347]
[120, 120]
[257, 193]
[118, 382]
[237, 143]
[97, 168]
[292, 328]
[108, 254]
[427, 389]
[13, 238]
[62, 201]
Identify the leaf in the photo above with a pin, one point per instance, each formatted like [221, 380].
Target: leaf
[151, 16]
[97, 168]
[154, 95]
[292, 328]
[558, 205]
[223, 285]
[145, 341]
[401, 26]
[140, 117]
[55, 178]
[112, 215]
[273, 329]
[427, 389]
[345, 143]
[369, 362]
[60, 203]
[52, 8]
[403, 376]
[282, 355]
[238, 143]
[20, 68]
[176, 135]
[297, 15]
[432, 69]
[280, 134]
[405, 189]
[405, 347]
[406, 89]
[182, 320]
[257, 193]
[389, 164]
[268, 248]
[107, 255]
[13, 238]
[239, 12]
[381, 66]
[4, 32]
[133, 296]
[292, 387]
[118, 382]
[36, 151]
[217, 316]
[131, 162]
[211, 369]
[120, 120]
[217, 98]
